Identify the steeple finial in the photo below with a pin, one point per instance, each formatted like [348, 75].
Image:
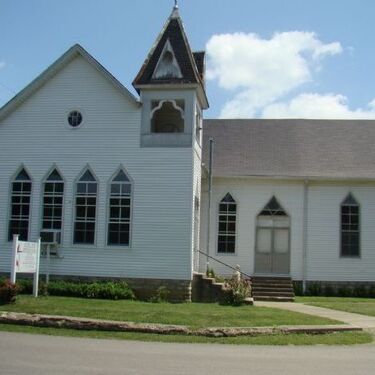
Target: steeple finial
[175, 12]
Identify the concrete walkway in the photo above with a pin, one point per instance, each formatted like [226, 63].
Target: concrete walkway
[363, 321]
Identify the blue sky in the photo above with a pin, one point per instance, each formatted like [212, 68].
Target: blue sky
[283, 58]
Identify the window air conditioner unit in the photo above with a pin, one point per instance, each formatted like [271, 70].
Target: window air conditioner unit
[50, 237]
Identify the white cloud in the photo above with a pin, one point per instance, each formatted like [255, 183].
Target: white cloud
[310, 105]
[259, 71]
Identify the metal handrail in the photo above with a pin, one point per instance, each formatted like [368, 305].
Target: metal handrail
[224, 264]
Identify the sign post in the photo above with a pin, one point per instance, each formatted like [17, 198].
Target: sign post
[25, 259]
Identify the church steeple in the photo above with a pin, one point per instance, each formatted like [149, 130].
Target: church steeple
[171, 85]
[171, 60]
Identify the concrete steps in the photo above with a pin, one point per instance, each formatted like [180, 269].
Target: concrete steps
[206, 289]
[277, 289]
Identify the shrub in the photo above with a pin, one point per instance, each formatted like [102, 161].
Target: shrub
[344, 291]
[329, 291]
[8, 292]
[25, 286]
[371, 292]
[103, 290]
[237, 290]
[161, 295]
[298, 289]
[314, 289]
[360, 291]
[210, 273]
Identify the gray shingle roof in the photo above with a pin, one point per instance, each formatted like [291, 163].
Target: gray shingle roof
[174, 32]
[292, 148]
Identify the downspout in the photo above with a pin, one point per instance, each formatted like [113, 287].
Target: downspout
[211, 148]
[305, 233]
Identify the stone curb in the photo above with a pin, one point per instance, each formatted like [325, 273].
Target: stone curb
[53, 321]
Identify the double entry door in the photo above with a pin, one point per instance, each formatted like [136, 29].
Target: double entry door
[272, 245]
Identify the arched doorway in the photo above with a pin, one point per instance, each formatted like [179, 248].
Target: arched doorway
[272, 243]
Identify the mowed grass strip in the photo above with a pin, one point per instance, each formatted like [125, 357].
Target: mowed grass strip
[364, 306]
[195, 315]
[341, 338]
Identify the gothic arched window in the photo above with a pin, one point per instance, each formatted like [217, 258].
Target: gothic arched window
[227, 225]
[19, 222]
[350, 227]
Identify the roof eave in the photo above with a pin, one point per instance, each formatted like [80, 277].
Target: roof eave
[300, 178]
[53, 69]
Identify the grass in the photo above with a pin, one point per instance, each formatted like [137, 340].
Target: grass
[342, 338]
[195, 315]
[364, 306]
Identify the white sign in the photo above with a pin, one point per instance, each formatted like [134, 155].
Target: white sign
[26, 257]
[26, 260]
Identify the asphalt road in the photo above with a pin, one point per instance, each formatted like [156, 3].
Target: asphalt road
[39, 355]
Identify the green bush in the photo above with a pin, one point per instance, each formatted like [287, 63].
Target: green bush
[161, 295]
[210, 273]
[371, 291]
[360, 291]
[8, 292]
[298, 289]
[314, 289]
[25, 286]
[329, 291]
[102, 289]
[236, 291]
[344, 291]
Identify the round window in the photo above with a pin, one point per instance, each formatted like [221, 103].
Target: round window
[75, 118]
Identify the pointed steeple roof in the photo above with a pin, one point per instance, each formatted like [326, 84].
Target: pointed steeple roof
[172, 34]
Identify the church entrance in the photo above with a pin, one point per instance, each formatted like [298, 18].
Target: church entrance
[272, 244]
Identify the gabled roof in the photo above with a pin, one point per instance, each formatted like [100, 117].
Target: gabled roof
[199, 58]
[328, 149]
[53, 69]
[173, 31]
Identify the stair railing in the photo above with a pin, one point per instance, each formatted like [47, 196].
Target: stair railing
[225, 264]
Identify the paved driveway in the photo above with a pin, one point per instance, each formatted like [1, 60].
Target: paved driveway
[50, 355]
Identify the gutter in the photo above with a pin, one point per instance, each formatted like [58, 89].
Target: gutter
[305, 233]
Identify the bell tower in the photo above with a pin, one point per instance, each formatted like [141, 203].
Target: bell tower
[171, 86]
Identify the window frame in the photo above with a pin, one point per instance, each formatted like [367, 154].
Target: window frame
[234, 253]
[108, 213]
[76, 182]
[41, 217]
[359, 255]
[10, 205]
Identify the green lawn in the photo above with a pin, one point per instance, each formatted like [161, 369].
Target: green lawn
[346, 338]
[195, 315]
[365, 306]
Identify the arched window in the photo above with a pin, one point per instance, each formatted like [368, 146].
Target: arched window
[350, 227]
[19, 222]
[226, 243]
[53, 195]
[119, 210]
[85, 209]
[167, 116]
[273, 225]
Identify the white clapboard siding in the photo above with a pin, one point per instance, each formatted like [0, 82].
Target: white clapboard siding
[324, 260]
[37, 135]
[251, 196]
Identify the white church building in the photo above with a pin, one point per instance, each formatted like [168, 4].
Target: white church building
[119, 184]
